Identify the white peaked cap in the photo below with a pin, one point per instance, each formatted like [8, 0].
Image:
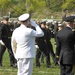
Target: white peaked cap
[60, 25]
[23, 17]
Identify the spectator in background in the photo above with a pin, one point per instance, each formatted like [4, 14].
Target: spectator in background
[60, 27]
[55, 23]
[48, 41]
[11, 25]
[43, 48]
[17, 24]
[5, 42]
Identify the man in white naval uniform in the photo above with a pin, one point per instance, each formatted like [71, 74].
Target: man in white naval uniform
[23, 44]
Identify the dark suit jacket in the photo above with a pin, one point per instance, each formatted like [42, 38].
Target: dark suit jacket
[41, 42]
[6, 35]
[65, 45]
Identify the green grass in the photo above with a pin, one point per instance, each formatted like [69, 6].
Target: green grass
[7, 70]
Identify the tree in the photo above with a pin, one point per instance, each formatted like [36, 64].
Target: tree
[18, 7]
[4, 5]
[48, 3]
[68, 4]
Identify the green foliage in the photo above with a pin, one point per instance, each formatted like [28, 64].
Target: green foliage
[69, 4]
[34, 5]
[5, 3]
[5, 6]
[41, 7]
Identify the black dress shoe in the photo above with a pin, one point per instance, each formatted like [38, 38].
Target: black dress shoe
[49, 66]
[38, 66]
[0, 65]
[14, 65]
[56, 64]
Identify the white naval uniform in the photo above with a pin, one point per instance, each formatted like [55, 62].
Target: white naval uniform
[25, 47]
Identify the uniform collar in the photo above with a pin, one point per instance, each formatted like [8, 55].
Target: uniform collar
[69, 27]
[22, 25]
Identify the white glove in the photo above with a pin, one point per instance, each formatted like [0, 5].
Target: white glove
[36, 46]
[1, 42]
[33, 23]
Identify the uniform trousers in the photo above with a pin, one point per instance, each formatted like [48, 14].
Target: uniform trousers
[66, 69]
[43, 51]
[2, 51]
[25, 66]
[49, 44]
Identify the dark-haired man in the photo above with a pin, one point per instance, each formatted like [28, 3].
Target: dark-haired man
[65, 41]
[5, 41]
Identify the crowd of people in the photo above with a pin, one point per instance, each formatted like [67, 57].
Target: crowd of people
[37, 35]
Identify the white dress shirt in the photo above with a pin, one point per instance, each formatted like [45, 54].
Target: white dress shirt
[24, 39]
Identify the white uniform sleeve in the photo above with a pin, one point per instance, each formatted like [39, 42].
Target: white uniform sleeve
[38, 32]
[13, 44]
